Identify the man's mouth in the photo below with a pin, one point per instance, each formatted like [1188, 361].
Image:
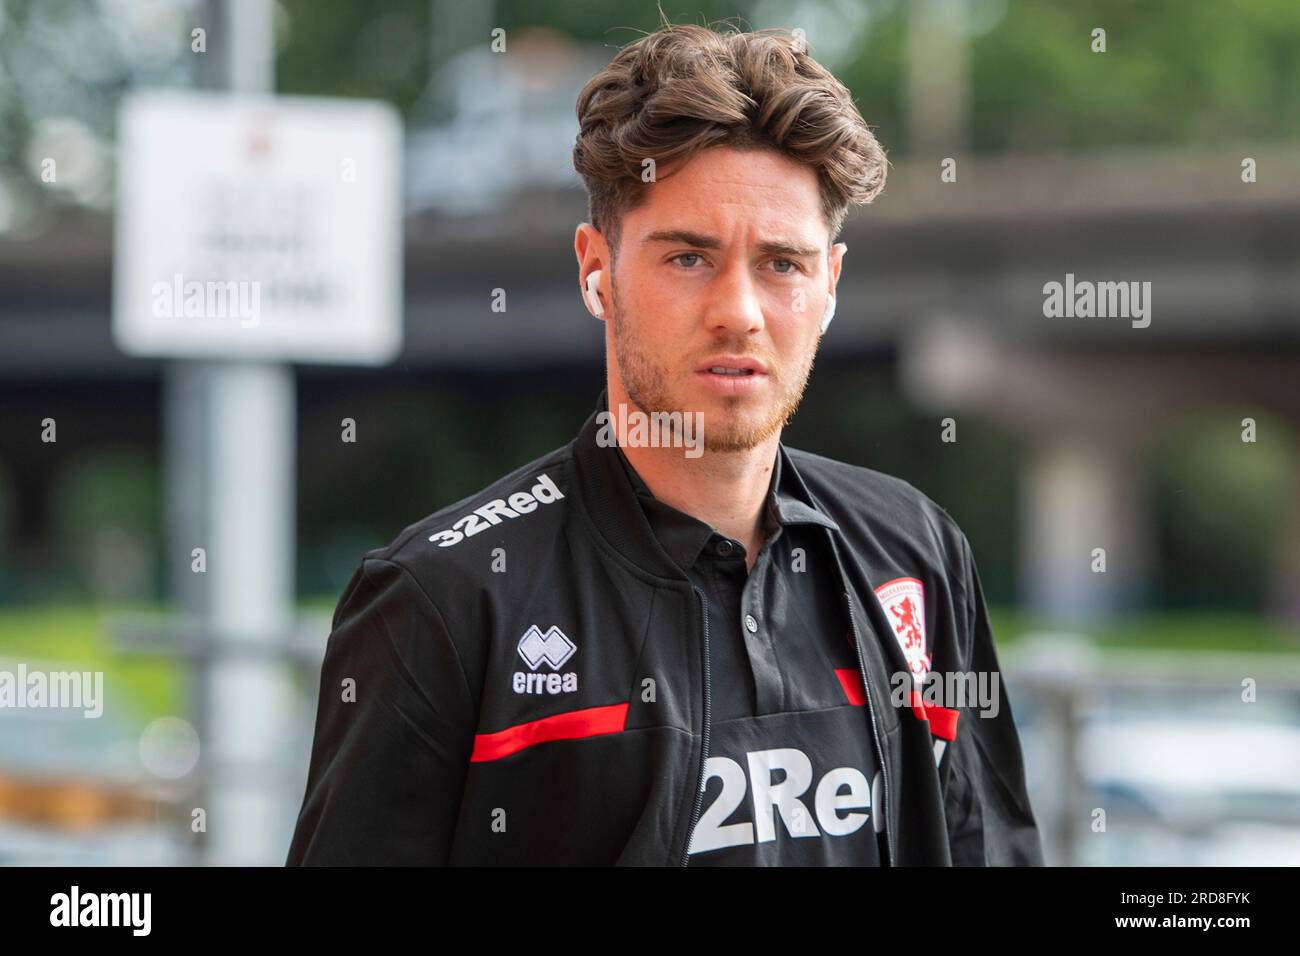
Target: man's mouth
[737, 365]
[733, 375]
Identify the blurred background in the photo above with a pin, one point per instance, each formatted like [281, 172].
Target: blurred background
[1163, 691]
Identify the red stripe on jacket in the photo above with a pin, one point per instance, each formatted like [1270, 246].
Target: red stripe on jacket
[570, 725]
[942, 720]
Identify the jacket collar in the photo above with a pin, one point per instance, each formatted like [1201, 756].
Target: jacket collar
[609, 492]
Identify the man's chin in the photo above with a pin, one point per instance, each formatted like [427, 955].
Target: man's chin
[730, 423]
[735, 432]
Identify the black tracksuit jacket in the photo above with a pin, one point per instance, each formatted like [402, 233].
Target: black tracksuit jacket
[522, 678]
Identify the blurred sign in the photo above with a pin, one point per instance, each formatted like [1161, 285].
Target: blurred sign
[258, 228]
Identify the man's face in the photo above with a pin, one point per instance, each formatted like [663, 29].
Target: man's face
[718, 290]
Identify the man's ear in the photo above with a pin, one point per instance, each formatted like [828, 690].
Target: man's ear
[835, 264]
[592, 252]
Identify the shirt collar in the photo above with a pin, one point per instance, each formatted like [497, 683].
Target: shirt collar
[684, 536]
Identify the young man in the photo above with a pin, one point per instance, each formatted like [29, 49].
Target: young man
[675, 640]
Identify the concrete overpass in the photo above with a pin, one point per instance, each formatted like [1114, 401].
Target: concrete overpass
[946, 278]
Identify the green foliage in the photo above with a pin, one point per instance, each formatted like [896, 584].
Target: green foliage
[1173, 72]
[343, 48]
[1173, 631]
[1218, 505]
[75, 637]
[107, 509]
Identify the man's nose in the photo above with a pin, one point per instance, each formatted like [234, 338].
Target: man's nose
[734, 305]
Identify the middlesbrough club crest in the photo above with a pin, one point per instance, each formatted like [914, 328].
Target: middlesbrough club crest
[903, 600]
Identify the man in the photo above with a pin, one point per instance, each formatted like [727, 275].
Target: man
[648, 648]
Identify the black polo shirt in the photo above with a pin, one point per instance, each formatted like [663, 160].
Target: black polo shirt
[792, 776]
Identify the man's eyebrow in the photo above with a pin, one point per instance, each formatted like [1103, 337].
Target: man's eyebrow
[685, 237]
[788, 249]
[700, 241]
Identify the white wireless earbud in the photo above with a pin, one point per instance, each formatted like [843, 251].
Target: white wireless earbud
[593, 295]
[829, 313]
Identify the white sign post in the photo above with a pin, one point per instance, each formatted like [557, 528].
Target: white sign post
[252, 231]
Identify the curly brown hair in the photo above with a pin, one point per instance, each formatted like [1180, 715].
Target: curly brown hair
[685, 88]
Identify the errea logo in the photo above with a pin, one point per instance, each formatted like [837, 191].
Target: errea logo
[480, 519]
[553, 649]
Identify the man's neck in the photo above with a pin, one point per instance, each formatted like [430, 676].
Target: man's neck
[726, 490]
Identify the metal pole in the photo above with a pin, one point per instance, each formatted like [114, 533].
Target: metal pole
[250, 576]
[231, 492]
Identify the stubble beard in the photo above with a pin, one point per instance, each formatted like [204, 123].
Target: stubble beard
[735, 428]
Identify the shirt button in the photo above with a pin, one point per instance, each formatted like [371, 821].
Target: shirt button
[751, 625]
[724, 547]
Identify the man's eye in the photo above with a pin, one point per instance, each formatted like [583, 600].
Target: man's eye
[685, 255]
[794, 266]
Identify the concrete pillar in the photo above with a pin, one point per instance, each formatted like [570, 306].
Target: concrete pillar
[1083, 491]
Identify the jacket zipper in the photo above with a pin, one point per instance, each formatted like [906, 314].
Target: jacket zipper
[704, 738]
[875, 733]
